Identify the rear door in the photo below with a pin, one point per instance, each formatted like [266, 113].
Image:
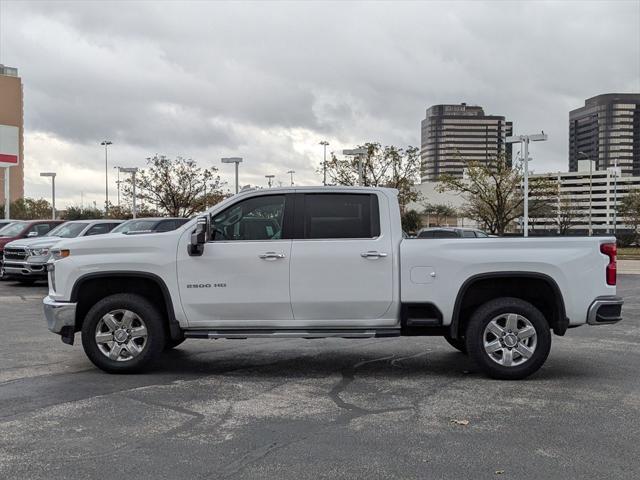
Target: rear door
[341, 262]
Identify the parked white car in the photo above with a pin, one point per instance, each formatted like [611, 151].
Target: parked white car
[325, 262]
[26, 259]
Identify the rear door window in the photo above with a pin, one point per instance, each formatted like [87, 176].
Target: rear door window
[340, 215]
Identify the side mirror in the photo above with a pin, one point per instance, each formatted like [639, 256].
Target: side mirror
[32, 234]
[200, 236]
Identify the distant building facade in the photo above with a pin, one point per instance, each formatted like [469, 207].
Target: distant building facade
[454, 135]
[607, 129]
[585, 199]
[11, 114]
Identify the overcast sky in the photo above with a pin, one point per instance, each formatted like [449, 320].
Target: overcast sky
[268, 80]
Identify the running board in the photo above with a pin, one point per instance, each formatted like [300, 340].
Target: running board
[292, 333]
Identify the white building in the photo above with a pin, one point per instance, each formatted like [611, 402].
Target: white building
[586, 197]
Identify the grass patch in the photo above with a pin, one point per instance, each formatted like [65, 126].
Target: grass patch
[629, 253]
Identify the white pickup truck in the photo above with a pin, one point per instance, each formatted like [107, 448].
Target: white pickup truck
[325, 262]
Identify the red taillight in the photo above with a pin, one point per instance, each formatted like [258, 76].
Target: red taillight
[610, 250]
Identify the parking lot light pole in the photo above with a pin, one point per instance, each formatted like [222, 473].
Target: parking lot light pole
[269, 179]
[324, 143]
[590, 190]
[524, 141]
[53, 191]
[615, 196]
[237, 161]
[132, 171]
[105, 144]
[359, 153]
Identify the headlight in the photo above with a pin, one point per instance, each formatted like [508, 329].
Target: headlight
[58, 254]
[37, 252]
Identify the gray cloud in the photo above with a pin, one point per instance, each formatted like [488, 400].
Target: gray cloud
[270, 79]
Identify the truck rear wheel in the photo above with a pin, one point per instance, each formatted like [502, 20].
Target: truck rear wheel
[508, 338]
[123, 333]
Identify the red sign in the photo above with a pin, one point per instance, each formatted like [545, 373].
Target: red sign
[9, 145]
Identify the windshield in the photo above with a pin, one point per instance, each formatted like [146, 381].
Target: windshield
[67, 230]
[135, 226]
[12, 229]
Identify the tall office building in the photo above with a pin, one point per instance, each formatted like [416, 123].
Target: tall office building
[11, 115]
[454, 135]
[605, 129]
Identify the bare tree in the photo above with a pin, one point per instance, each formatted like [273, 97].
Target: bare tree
[493, 193]
[387, 166]
[176, 187]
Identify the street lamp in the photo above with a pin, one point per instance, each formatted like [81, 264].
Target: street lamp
[118, 184]
[615, 196]
[105, 144]
[237, 161]
[132, 171]
[324, 143]
[524, 141]
[358, 153]
[590, 189]
[291, 172]
[269, 179]
[53, 191]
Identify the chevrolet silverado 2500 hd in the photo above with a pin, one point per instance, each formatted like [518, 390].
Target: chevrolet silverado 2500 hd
[326, 262]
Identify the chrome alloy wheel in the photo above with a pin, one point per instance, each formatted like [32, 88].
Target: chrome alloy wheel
[121, 335]
[509, 339]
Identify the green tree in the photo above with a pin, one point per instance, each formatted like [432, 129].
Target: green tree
[411, 221]
[75, 212]
[176, 187]
[438, 212]
[493, 193]
[29, 209]
[387, 166]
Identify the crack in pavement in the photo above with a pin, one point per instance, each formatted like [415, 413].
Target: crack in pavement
[354, 411]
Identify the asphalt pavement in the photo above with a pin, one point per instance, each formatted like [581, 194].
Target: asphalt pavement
[308, 409]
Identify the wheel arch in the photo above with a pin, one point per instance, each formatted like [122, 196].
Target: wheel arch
[486, 286]
[92, 287]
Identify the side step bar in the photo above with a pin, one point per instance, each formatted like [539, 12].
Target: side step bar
[293, 333]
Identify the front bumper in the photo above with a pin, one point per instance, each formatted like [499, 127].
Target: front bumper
[25, 269]
[605, 310]
[59, 315]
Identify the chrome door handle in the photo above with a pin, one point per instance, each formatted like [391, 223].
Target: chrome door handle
[267, 255]
[373, 254]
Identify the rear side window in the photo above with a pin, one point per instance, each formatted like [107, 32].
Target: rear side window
[337, 215]
[444, 234]
[40, 229]
[166, 226]
[427, 234]
[468, 234]
[99, 229]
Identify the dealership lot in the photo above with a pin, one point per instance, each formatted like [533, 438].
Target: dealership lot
[330, 408]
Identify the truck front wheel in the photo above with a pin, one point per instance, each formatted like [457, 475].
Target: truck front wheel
[508, 338]
[123, 333]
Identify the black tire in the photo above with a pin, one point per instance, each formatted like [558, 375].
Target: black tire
[173, 343]
[475, 336]
[155, 339]
[459, 344]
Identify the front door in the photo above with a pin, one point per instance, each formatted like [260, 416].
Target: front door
[242, 278]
